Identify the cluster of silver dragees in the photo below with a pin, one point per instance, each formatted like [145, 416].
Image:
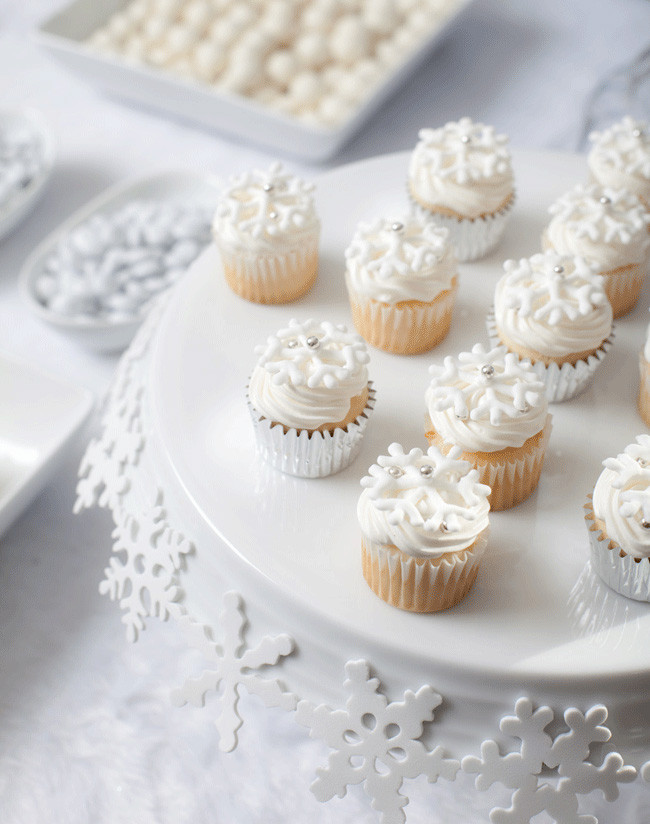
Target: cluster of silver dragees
[22, 159]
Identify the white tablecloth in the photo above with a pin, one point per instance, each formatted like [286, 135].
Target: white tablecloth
[86, 734]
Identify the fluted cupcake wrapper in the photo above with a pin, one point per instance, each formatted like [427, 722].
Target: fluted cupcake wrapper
[406, 329]
[562, 381]
[420, 584]
[308, 454]
[625, 574]
[643, 400]
[472, 238]
[271, 278]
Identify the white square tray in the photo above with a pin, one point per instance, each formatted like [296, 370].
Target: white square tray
[64, 33]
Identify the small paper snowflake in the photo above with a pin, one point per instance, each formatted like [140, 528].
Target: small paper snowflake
[485, 384]
[313, 353]
[143, 572]
[567, 753]
[234, 665]
[375, 742]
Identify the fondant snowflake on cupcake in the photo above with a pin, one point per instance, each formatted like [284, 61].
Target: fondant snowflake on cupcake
[620, 157]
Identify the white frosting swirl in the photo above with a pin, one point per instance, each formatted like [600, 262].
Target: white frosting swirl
[464, 167]
[486, 400]
[620, 157]
[425, 505]
[606, 226]
[308, 373]
[265, 212]
[392, 261]
[622, 498]
[552, 304]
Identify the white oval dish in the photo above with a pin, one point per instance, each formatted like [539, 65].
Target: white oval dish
[103, 335]
[18, 206]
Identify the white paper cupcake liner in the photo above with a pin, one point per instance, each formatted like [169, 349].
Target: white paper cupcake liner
[310, 454]
[625, 574]
[418, 585]
[563, 381]
[472, 238]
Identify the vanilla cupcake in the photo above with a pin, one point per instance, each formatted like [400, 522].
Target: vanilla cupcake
[267, 233]
[643, 400]
[310, 398]
[402, 281]
[618, 520]
[424, 526]
[620, 157]
[552, 309]
[461, 176]
[493, 406]
[609, 228]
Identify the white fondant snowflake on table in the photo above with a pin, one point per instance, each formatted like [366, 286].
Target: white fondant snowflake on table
[143, 571]
[552, 287]
[465, 151]
[432, 491]
[234, 664]
[567, 753]
[485, 385]
[624, 145]
[375, 742]
[313, 353]
[601, 214]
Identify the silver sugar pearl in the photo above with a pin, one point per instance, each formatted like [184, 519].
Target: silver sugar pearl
[443, 526]
[268, 187]
[487, 370]
[395, 471]
[637, 132]
[645, 524]
[291, 344]
[397, 226]
[642, 462]
[604, 200]
[426, 471]
[312, 342]
[273, 215]
[559, 270]
[465, 138]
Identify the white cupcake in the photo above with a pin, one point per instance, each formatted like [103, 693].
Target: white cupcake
[310, 398]
[608, 228]
[461, 177]
[402, 279]
[424, 524]
[620, 157]
[618, 520]
[552, 309]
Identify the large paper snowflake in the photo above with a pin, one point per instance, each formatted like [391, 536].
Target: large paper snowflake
[375, 743]
[143, 571]
[567, 753]
[234, 664]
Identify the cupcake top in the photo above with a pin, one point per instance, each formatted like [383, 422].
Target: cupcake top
[620, 157]
[391, 261]
[606, 226]
[622, 498]
[552, 304]
[307, 374]
[424, 504]
[463, 166]
[486, 400]
[265, 211]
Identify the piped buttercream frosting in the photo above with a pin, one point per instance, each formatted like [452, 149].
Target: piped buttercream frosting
[620, 157]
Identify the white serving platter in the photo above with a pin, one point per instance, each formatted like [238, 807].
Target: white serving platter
[63, 35]
[18, 206]
[40, 416]
[104, 335]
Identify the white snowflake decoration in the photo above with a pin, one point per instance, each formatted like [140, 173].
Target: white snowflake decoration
[143, 571]
[313, 353]
[568, 753]
[234, 665]
[552, 287]
[434, 492]
[601, 214]
[375, 742]
[624, 145]
[465, 151]
[485, 385]
[632, 468]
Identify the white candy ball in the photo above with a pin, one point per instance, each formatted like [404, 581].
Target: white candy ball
[306, 88]
[241, 17]
[312, 50]
[137, 11]
[222, 32]
[281, 66]
[120, 26]
[333, 109]
[154, 29]
[180, 38]
[197, 14]
[350, 40]
[320, 16]
[381, 16]
[208, 59]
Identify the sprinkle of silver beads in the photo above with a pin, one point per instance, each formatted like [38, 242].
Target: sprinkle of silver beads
[605, 200]
[397, 226]
[559, 270]
[637, 132]
[465, 138]
[273, 215]
[395, 471]
[291, 344]
[268, 187]
[312, 342]
[487, 370]
[426, 471]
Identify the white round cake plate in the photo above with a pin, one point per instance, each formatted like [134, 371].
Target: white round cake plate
[270, 562]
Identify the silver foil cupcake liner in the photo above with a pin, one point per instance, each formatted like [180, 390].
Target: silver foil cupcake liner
[624, 573]
[472, 238]
[310, 454]
[562, 381]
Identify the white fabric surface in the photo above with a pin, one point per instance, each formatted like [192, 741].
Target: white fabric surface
[86, 732]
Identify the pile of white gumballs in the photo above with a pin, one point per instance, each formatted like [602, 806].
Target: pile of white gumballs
[315, 60]
[22, 160]
[111, 266]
